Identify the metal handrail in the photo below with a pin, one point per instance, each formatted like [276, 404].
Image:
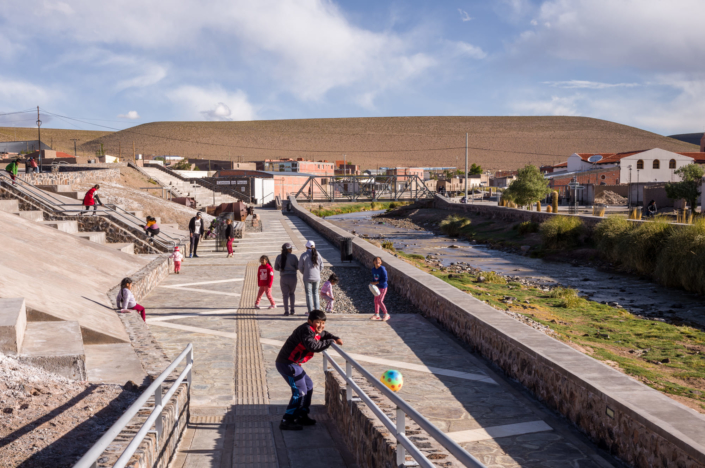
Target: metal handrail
[59, 205]
[90, 459]
[403, 409]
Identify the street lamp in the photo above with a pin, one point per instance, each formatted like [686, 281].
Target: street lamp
[39, 141]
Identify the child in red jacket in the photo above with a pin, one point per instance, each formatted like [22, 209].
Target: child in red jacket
[265, 278]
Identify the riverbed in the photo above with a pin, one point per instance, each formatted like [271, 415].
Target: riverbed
[640, 296]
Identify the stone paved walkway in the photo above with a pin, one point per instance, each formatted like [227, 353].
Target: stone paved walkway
[238, 396]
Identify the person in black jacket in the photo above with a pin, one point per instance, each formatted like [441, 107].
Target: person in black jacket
[307, 339]
[229, 236]
[196, 228]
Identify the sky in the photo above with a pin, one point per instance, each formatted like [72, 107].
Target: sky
[127, 62]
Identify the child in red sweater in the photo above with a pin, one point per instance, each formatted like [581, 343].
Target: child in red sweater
[265, 278]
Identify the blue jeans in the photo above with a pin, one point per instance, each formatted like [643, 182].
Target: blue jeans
[313, 302]
[301, 387]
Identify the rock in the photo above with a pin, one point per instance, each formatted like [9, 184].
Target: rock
[525, 249]
[453, 246]
[666, 361]
[481, 279]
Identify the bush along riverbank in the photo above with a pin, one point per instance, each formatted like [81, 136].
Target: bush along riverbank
[669, 358]
[332, 210]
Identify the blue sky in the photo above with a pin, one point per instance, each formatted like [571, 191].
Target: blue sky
[637, 62]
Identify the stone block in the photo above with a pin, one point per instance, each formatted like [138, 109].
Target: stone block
[127, 247]
[64, 226]
[56, 347]
[9, 206]
[34, 215]
[13, 322]
[97, 237]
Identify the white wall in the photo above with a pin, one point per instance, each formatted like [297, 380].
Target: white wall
[264, 190]
[649, 174]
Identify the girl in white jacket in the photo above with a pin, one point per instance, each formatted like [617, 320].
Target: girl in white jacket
[126, 300]
[178, 257]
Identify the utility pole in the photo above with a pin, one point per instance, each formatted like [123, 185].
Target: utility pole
[39, 140]
[134, 155]
[345, 164]
[119, 152]
[74, 146]
[466, 167]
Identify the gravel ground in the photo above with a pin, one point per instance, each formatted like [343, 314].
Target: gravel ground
[50, 421]
[352, 295]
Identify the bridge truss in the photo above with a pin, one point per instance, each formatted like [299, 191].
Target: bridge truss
[364, 188]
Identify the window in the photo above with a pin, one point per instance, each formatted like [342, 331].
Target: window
[672, 164]
[640, 164]
[657, 164]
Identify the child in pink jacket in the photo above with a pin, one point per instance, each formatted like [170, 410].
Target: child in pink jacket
[327, 292]
[265, 279]
[178, 257]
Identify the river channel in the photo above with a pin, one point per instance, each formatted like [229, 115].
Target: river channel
[638, 295]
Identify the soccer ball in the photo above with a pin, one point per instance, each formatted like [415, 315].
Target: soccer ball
[393, 380]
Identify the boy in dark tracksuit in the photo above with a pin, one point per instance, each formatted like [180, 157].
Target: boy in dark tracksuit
[306, 339]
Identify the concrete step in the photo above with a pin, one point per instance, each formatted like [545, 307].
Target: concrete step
[56, 347]
[35, 215]
[13, 322]
[66, 226]
[9, 206]
[170, 226]
[97, 237]
[138, 214]
[113, 364]
[127, 247]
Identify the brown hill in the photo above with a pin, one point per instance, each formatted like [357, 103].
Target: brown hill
[58, 139]
[495, 142]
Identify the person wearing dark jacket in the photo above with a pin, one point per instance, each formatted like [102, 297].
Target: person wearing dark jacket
[229, 236]
[307, 339]
[196, 228]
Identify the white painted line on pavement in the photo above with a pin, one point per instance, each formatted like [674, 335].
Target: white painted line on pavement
[404, 365]
[203, 282]
[160, 318]
[204, 331]
[204, 291]
[495, 432]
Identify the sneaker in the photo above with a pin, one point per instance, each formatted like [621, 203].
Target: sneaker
[306, 421]
[286, 313]
[385, 317]
[257, 306]
[292, 312]
[375, 317]
[289, 426]
[273, 306]
[190, 256]
[195, 256]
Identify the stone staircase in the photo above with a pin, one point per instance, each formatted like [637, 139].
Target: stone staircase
[203, 196]
[56, 346]
[70, 227]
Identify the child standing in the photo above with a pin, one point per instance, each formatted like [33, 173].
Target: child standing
[379, 276]
[327, 292]
[265, 278]
[177, 256]
[126, 300]
[307, 338]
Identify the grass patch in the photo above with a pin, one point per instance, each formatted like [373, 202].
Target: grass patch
[562, 232]
[403, 254]
[607, 235]
[388, 245]
[454, 225]
[494, 278]
[527, 227]
[667, 357]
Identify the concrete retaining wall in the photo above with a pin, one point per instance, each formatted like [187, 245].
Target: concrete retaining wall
[634, 422]
[145, 280]
[72, 177]
[365, 435]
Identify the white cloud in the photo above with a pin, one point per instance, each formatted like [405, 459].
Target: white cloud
[56, 7]
[130, 115]
[652, 35]
[464, 16]
[211, 103]
[460, 48]
[579, 84]
[153, 74]
[556, 105]
[16, 94]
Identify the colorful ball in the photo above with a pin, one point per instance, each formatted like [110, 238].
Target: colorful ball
[393, 380]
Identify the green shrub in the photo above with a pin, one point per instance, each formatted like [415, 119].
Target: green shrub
[527, 227]
[389, 245]
[374, 205]
[394, 205]
[607, 235]
[639, 247]
[570, 298]
[494, 278]
[453, 225]
[681, 262]
[561, 231]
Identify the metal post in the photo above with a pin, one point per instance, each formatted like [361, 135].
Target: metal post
[466, 167]
[325, 363]
[158, 403]
[401, 430]
[189, 362]
[39, 142]
[348, 373]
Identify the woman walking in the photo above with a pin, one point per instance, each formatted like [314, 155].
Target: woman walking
[229, 236]
[310, 265]
[287, 264]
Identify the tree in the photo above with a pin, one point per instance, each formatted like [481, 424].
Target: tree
[475, 169]
[529, 187]
[688, 189]
[182, 165]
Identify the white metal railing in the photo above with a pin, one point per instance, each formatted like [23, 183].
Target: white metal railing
[90, 459]
[403, 409]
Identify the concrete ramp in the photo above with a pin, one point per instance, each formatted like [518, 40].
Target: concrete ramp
[64, 277]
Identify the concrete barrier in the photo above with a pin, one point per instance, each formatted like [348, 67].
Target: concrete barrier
[13, 322]
[72, 177]
[640, 425]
